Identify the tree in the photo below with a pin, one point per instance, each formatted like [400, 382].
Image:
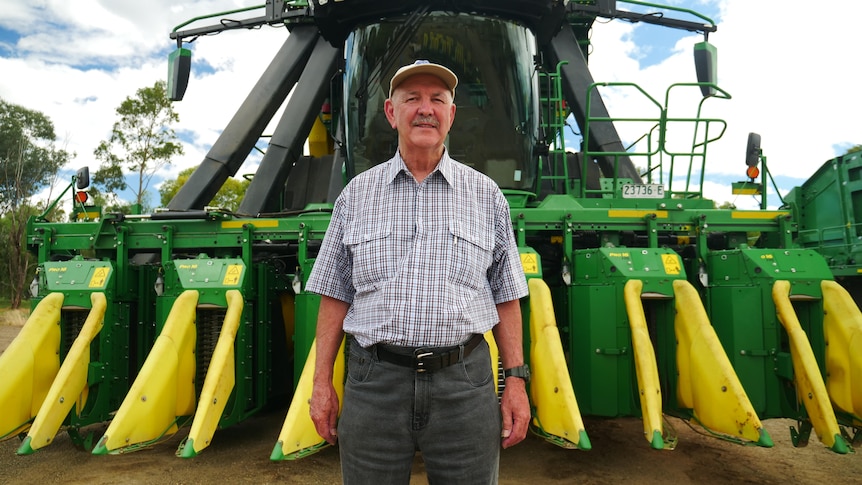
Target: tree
[142, 142]
[29, 160]
[28, 155]
[228, 197]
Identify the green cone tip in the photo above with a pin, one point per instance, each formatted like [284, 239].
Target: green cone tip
[277, 452]
[840, 445]
[584, 441]
[765, 440]
[189, 449]
[25, 448]
[100, 448]
[657, 441]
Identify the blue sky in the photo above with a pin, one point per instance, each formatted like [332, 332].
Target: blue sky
[657, 42]
[786, 68]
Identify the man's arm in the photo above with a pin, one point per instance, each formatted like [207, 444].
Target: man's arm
[515, 405]
[330, 333]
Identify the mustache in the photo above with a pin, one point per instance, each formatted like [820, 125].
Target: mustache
[426, 120]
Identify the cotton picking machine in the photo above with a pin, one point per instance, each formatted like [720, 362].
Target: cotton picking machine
[645, 300]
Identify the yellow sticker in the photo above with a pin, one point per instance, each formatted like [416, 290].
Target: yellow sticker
[530, 263]
[254, 222]
[234, 271]
[671, 263]
[100, 276]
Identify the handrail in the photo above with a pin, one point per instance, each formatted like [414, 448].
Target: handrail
[670, 7]
[213, 15]
[656, 143]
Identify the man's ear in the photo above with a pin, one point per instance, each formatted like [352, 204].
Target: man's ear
[389, 110]
[452, 116]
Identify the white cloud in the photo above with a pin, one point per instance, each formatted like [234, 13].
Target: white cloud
[789, 73]
[77, 61]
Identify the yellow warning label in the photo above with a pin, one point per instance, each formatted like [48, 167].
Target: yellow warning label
[234, 271]
[671, 263]
[255, 223]
[530, 263]
[100, 277]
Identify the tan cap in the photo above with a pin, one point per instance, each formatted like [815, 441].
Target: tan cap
[424, 67]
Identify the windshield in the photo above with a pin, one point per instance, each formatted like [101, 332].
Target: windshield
[496, 123]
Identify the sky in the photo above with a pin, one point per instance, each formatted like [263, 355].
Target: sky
[787, 66]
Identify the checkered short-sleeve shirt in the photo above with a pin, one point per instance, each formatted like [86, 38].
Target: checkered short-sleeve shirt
[422, 264]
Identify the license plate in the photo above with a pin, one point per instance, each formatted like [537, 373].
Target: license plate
[643, 191]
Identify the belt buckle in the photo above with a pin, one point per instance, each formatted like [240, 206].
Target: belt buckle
[418, 355]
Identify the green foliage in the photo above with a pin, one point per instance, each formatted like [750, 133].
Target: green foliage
[229, 196]
[108, 201]
[29, 159]
[142, 142]
[857, 148]
[16, 263]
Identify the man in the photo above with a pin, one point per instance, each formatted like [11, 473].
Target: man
[418, 262]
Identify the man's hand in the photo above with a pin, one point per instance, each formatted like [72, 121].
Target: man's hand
[324, 410]
[515, 407]
[324, 401]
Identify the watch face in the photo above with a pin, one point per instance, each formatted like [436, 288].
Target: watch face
[521, 371]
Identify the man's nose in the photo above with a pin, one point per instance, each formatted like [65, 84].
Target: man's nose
[425, 106]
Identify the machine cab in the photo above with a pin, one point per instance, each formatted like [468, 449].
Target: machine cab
[497, 99]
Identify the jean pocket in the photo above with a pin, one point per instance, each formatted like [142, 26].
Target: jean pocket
[477, 366]
[359, 363]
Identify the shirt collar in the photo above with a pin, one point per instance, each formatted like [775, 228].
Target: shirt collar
[445, 167]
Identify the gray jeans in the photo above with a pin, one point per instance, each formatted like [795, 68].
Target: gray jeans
[451, 415]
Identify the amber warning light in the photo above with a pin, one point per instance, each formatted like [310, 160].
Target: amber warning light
[751, 172]
[81, 197]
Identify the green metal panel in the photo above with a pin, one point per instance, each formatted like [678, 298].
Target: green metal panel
[207, 273]
[736, 313]
[601, 365]
[112, 359]
[77, 278]
[829, 209]
[743, 314]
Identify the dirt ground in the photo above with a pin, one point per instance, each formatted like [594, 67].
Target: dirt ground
[619, 454]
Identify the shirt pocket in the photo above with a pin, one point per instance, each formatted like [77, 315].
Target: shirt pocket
[372, 254]
[471, 254]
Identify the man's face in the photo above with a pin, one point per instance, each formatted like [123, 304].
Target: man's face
[422, 111]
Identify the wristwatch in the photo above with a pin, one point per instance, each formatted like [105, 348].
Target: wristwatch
[522, 371]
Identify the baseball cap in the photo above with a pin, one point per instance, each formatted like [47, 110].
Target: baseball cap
[424, 67]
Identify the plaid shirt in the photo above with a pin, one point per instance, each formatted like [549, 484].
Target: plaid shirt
[421, 264]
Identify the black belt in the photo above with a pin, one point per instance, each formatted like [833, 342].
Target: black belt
[429, 359]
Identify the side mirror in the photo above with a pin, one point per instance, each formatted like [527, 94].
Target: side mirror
[706, 66]
[752, 150]
[179, 69]
[82, 178]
